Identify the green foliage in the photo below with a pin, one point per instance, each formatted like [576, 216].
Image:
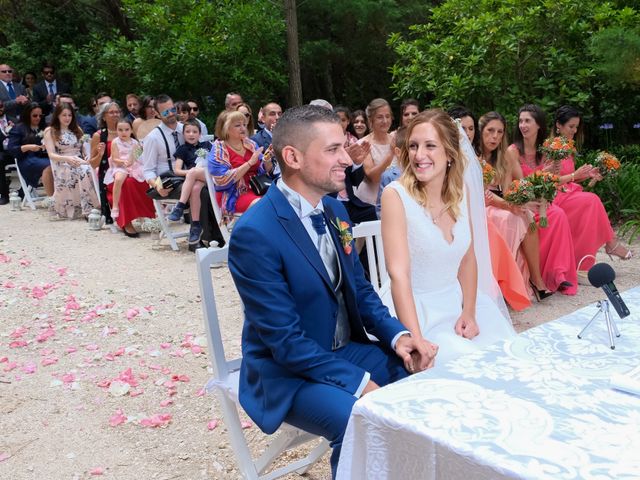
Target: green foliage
[188, 48]
[500, 54]
[617, 52]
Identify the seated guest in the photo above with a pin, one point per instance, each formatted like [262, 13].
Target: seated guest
[231, 101]
[194, 111]
[148, 119]
[133, 201]
[393, 172]
[5, 159]
[12, 94]
[306, 358]
[409, 108]
[28, 82]
[74, 195]
[233, 160]
[345, 121]
[45, 91]
[359, 124]
[190, 158]
[271, 112]
[468, 123]
[245, 109]
[133, 106]
[25, 144]
[182, 111]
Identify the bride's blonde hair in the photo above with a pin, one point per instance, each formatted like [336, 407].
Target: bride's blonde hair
[452, 188]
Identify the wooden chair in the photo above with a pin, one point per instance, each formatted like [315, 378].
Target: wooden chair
[225, 381]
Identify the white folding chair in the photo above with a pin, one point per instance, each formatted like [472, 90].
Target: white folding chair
[372, 235]
[31, 195]
[211, 186]
[225, 381]
[171, 234]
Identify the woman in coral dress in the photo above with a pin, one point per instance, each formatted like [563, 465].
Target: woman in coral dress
[557, 255]
[590, 226]
[512, 221]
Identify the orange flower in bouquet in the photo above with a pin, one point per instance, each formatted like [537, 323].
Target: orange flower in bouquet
[488, 173]
[557, 149]
[519, 193]
[607, 164]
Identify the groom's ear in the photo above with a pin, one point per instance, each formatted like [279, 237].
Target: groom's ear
[291, 156]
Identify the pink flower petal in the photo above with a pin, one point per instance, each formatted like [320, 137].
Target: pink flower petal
[29, 368]
[196, 349]
[9, 284]
[211, 425]
[4, 456]
[246, 424]
[71, 350]
[46, 361]
[45, 335]
[143, 375]
[157, 420]
[25, 262]
[96, 471]
[19, 332]
[132, 312]
[62, 271]
[166, 403]
[4, 258]
[92, 347]
[201, 392]
[4, 359]
[38, 292]
[18, 344]
[68, 378]
[135, 393]
[177, 353]
[118, 418]
[10, 366]
[165, 346]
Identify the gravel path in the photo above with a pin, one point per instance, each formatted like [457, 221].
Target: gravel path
[103, 355]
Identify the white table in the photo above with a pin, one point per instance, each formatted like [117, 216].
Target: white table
[538, 406]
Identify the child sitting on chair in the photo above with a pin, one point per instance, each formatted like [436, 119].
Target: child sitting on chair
[190, 163]
[123, 162]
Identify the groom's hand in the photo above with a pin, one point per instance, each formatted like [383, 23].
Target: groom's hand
[370, 387]
[417, 354]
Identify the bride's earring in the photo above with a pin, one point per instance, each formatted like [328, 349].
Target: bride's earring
[449, 164]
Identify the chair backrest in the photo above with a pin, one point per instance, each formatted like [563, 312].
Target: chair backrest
[214, 203]
[372, 234]
[205, 257]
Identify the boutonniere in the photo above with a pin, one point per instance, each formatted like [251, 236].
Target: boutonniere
[345, 234]
[40, 134]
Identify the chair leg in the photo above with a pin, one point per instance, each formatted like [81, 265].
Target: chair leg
[164, 225]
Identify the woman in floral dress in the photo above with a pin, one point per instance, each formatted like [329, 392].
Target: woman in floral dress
[74, 194]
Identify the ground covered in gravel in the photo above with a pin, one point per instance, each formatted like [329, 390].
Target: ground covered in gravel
[103, 355]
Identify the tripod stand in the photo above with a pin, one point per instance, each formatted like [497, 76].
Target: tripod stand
[603, 307]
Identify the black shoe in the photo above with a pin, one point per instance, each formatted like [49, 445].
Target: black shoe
[4, 200]
[564, 285]
[130, 235]
[540, 294]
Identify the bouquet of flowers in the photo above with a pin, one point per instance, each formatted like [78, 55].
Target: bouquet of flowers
[607, 164]
[545, 186]
[557, 149]
[488, 173]
[519, 193]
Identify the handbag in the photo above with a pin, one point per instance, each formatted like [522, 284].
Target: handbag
[259, 184]
[169, 179]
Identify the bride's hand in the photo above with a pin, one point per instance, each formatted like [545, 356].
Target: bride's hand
[466, 326]
[417, 353]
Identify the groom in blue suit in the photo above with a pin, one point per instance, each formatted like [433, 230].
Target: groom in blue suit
[308, 307]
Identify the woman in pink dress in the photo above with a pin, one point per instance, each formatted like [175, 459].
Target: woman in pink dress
[512, 221]
[557, 255]
[590, 226]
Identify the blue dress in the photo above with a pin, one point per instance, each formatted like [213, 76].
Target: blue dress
[31, 164]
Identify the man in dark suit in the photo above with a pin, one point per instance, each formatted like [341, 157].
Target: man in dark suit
[12, 94]
[271, 113]
[44, 92]
[307, 356]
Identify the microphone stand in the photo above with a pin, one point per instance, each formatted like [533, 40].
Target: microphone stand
[603, 307]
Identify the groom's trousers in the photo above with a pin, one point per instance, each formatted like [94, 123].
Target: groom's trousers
[324, 409]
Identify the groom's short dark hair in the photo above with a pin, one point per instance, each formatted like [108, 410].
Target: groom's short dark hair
[295, 128]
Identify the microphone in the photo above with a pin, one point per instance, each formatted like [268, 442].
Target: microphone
[602, 275]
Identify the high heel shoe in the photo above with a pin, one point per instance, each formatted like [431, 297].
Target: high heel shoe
[612, 251]
[540, 294]
[564, 285]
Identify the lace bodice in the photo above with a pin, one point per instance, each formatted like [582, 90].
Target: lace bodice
[434, 261]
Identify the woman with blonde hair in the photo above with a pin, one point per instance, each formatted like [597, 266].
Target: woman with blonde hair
[428, 245]
[233, 160]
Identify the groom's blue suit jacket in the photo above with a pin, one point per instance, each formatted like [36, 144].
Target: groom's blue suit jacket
[291, 308]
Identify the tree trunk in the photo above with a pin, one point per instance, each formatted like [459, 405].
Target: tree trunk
[293, 54]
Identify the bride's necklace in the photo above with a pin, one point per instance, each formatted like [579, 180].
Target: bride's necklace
[436, 218]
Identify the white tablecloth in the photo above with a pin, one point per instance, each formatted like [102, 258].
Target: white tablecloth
[538, 406]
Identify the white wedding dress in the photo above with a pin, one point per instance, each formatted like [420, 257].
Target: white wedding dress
[434, 280]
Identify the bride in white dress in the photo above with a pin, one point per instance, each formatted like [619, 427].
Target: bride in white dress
[428, 245]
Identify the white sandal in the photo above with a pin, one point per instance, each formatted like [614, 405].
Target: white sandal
[610, 252]
[583, 276]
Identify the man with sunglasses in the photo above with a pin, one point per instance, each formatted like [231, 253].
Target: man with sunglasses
[161, 144]
[12, 94]
[45, 91]
[194, 111]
